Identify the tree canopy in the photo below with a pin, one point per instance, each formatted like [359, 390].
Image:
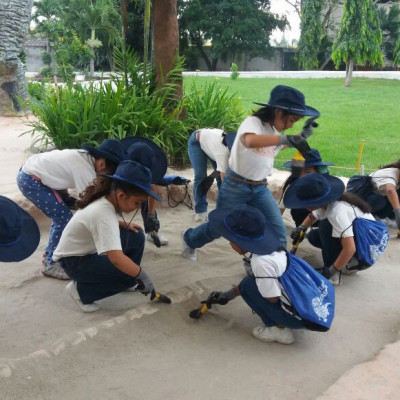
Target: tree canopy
[360, 37]
[311, 33]
[231, 26]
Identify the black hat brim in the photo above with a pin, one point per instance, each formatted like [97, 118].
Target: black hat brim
[291, 200]
[27, 243]
[266, 245]
[160, 168]
[100, 154]
[308, 111]
[144, 188]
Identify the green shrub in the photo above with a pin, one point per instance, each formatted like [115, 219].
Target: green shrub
[37, 90]
[212, 106]
[234, 71]
[46, 58]
[46, 72]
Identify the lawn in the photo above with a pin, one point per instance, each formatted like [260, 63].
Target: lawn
[369, 110]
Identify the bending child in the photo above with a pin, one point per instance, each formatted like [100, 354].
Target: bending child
[247, 230]
[257, 142]
[45, 178]
[101, 258]
[335, 209]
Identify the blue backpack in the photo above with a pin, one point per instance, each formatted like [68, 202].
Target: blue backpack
[371, 238]
[306, 294]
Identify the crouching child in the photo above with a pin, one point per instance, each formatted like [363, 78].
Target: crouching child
[283, 290]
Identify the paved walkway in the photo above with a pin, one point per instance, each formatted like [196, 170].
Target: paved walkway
[24, 300]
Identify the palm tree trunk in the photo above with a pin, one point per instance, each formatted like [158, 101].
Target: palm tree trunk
[166, 38]
[14, 24]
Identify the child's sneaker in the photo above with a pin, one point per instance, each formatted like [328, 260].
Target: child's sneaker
[201, 217]
[54, 270]
[188, 252]
[336, 278]
[350, 267]
[273, 334]
[73, 291]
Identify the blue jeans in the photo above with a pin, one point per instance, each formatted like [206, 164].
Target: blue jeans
[231, 194]
[321, 238]
[271, 314]
[45, 200]
[199, 159]
[96, 277]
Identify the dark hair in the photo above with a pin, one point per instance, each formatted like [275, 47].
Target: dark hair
[111, 166]
[102, 186]
[396, 164]
[267, 113]
[357, 201]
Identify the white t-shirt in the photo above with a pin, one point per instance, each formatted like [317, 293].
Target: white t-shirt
[62, 169]
[272, 266]
[93, 229]
[253, 163]
[341, 216]
[381, 177]
[211, 143]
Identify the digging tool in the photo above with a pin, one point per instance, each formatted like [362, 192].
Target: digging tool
[296, 245]
[162, 298]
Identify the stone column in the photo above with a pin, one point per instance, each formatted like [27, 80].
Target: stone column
[15, 16]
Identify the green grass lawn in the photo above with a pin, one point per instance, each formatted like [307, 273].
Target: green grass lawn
[369, 110]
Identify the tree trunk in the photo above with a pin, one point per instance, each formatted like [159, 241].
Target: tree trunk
[166, 40]
[349, 71]
[91, 63]
[14, 24]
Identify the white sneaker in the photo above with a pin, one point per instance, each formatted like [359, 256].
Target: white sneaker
[188, 252]
[73, 291]
[163, 239]
[273, 334]
[336, 278]
[54, 270]
[347, 270]
[201, 217]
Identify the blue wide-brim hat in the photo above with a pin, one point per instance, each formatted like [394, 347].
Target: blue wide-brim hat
[19, 232]
[313, 190]
[110, 149]
[229, 139]
[245, 226]
[161, 164]
[135, 174]
[312, 159]
[291, 100]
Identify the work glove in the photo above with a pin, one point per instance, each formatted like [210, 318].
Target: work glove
[153, 224]
[298, 234]
[308, 126]
[295, 141]
[144, 283]
[222, 297]
[397, 217]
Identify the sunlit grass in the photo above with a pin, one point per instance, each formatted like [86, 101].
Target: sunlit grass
[369, 110]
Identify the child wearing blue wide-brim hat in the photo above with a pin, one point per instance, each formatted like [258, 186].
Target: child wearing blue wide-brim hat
[258, 140]
[45, 178]
[325, 197]
[248, 231]
[101, 255]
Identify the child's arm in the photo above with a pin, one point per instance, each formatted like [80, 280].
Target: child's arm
[252, 140]
[123, 263]
[348, 251]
